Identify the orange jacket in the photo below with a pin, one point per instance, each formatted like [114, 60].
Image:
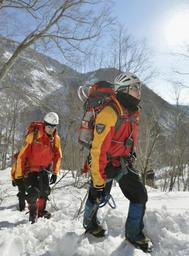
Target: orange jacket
[108, 142]
[37, 154]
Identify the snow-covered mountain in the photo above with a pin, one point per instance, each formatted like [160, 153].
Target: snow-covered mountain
[166, 223]
[47, 85]
[33, 72]
[41, 76]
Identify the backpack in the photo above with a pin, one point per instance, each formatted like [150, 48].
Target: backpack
[34, 127]
[100, 94]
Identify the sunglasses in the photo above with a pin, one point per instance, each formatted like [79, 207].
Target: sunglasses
[135, 87]
[50, 126]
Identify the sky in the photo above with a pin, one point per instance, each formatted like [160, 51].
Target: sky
[164, 24]
[166, 223]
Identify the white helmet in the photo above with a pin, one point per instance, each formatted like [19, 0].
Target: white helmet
[51, 118]
[124, 80]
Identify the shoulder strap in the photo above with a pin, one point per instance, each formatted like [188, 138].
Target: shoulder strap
[35, 134]
[117, 110]
[52, 139]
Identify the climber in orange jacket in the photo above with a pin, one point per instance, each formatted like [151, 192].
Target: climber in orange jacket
[40, 155]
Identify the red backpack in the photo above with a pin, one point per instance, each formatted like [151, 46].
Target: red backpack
[34, 127]
[99, 95]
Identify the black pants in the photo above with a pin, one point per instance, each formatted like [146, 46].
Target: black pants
[21, 194]
[37, 185]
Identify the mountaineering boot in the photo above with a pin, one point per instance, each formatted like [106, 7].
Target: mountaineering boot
[134, 226]
[90, 222]
[144, 244]
[45, 214]
[21, 201]
[93, 227]
[41, 205]
[97, 231]
[32, 213]
[21, 204]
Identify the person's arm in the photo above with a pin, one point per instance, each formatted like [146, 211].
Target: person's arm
[57, 155]
[22, 157]
[103, 133]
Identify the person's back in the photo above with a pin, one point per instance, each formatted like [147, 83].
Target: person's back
[110, 133]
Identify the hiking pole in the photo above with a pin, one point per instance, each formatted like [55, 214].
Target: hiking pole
[81, 208]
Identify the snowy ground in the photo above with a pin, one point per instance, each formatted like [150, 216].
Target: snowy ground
[166, 223]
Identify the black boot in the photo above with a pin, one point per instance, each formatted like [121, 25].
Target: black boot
[21, 202]
[46, 214]
[22, 205]
[145, 244]
[33, 213]
[97, 231]
[93, 226]
[21, 197]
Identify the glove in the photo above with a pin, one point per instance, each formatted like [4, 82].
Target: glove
[131, 158]
[97, 194]
[53, 179]
[18, 182]
[14, 183]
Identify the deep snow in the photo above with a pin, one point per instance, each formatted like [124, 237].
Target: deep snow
[166, 223]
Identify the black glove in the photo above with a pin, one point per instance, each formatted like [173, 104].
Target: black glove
[18, 182]
[131, 158]
[97, 194]
[14, 183]
[53, 179]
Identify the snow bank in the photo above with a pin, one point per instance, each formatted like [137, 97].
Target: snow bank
[166, 223]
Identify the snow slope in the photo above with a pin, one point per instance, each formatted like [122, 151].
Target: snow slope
[166, 222]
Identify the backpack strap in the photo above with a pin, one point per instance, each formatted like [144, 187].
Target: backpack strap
[51, 138]
[120, 119]
[118, 110]
[35, 134]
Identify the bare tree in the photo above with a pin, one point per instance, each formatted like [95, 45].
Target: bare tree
[129, 55]
[184, 56]
[179, 157]
[66, 24]
[8, 125]
[150, 132]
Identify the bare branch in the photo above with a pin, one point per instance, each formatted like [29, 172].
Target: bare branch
[55, 21]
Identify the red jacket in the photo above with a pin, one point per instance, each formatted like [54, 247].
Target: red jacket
[38, 153]
[108, 143]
